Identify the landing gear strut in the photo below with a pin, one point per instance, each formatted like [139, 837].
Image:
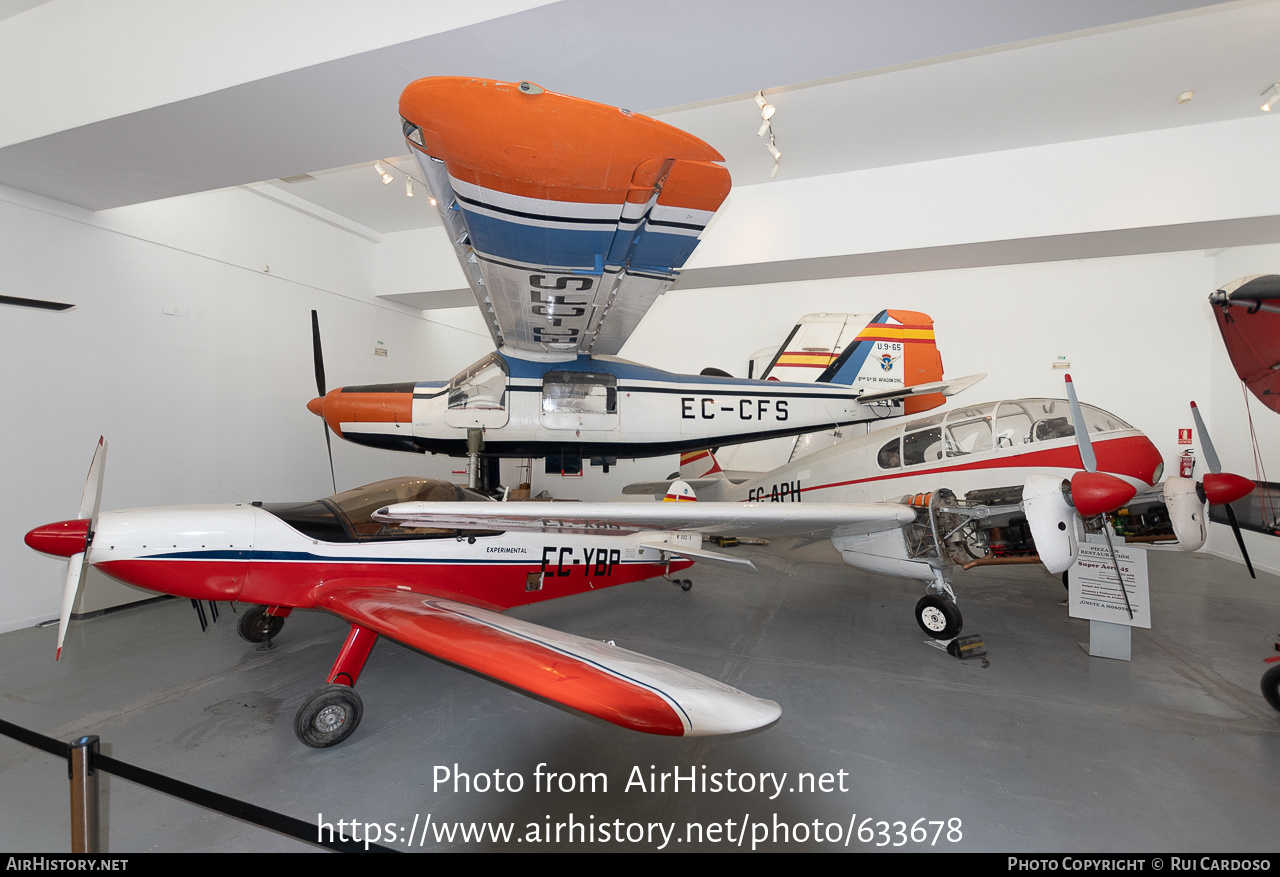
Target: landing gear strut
[331, 714]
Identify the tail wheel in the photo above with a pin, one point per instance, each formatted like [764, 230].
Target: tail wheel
[938, 617]
[329, 716]
[256, 626]
[1271, 686]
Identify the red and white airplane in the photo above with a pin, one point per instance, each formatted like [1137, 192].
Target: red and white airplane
[438, 590]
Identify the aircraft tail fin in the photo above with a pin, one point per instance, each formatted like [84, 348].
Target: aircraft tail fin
[699, 464]
[680, 491]
[894, 349]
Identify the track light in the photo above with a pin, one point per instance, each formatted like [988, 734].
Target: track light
[408, 186]
[1271, 97]
[766, 130]
[386, 177]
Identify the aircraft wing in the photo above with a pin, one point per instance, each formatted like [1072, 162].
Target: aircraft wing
[569, 217]
[772, 519]
[614, 684]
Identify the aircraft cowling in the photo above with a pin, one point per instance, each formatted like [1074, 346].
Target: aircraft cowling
[1052, 522]
[1186, 512]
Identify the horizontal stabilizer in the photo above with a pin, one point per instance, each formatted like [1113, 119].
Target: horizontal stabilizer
[946, 388]
[699, 553]
[602, 680]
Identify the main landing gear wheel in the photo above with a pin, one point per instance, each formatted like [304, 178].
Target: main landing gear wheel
[1271, 686]
[328, 716]
[938, 617]
[256, 626]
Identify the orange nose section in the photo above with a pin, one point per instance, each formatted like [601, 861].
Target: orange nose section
[62, 539]
[383, 403]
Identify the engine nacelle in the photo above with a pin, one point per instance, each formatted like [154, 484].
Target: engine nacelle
[1186, 512]
[1052, 521]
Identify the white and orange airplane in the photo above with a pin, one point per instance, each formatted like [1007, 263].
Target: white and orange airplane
[569, 219]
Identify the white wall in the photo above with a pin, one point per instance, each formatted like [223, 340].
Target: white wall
[208, 407]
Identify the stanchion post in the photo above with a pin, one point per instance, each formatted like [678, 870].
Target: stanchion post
[84, 795]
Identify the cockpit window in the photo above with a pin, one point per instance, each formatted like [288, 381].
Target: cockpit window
[1042, 420]
[482, 386]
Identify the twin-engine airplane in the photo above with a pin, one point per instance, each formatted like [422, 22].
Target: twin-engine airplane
[569, 219]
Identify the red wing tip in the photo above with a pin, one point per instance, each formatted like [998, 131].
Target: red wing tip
[59, 654]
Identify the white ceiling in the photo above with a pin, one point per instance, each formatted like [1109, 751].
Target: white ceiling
[857, 85]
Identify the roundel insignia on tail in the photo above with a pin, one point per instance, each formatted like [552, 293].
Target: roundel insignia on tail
[680, 491]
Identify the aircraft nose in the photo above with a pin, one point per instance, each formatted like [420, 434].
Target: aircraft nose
[316, 406]
[62, 539]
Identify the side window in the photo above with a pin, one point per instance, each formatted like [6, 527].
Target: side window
[923, 446]
[579, 400]
[890, 457]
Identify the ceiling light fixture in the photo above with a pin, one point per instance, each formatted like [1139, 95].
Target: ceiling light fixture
[408, 186]
[766, 130]
[1271, 97]
[1185, 97]
[386, 177]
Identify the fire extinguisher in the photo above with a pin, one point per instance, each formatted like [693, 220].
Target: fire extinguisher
[1187, 463]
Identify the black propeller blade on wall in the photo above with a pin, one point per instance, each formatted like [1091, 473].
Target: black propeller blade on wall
[318, 355]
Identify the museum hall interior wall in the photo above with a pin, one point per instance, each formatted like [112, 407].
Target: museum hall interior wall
[201, 406]
[206, 404]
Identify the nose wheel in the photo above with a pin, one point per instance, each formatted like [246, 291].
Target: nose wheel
[329, 716]
[939, 617]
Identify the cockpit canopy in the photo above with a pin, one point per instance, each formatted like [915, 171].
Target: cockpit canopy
[348, 516]
[982, 428]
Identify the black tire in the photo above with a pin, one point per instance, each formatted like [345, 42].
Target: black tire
[256, 626]
[686, 585]
[329, 716]
[938, 617]
[1271, 686]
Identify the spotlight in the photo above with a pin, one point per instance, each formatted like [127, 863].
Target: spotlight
[408, 186]
[1271, 97]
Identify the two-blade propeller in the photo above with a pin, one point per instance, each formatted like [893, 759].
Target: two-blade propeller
[90, 502]
[1097, 493]
[318, 355]
[1221, 488]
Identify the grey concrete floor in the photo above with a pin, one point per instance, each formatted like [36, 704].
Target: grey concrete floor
[1038, 748]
